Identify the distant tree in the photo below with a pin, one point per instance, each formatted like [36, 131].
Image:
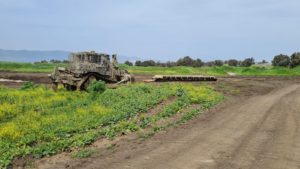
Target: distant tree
[145, 63]
[55, 61]
[160, 64]
[295, 59]
[247, 62]
[281, 60]
[232, 62]
[128, 63]
[138, 63]
[210, 63]
[197, 63]
[148, 63]
[262, 62]
[186, 61]
[65, 61]
[170, 64]
[218, 63]
[44, 61]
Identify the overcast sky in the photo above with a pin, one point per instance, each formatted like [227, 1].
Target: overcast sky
[154, 29]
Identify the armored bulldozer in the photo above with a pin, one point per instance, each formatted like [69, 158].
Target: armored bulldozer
[84, 67]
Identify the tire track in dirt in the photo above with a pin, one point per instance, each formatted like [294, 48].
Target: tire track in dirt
[251, 150]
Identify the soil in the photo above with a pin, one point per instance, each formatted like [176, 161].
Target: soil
[256, 127]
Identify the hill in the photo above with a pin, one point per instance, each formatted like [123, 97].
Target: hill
[38, 55]
[31, 56]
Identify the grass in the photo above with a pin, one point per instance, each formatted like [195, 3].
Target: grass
[29, 67]
[84, 153]
[41, 122]
[179, 70]
[217, 71]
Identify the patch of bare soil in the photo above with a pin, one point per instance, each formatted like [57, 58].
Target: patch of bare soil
[38, 78]
[34, 77]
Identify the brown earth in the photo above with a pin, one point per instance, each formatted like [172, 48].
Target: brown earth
[256, 127]
[34, 77]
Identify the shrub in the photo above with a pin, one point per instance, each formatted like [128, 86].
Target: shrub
[128, 63]
[219, 63]
[28, 85]
[138, 63]
[186, 61]
[247, 62]
[148, 63]
[232, 62]
[295, 59]
[281, 60]
[170, 64]
[145, 63]
[160, 64]
[44, 61]
[180, 92]
[210, 64]
[198, 63]
[55, 61]
[97, 87]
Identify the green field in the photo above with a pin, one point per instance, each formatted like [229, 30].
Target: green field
[217, 71]
[28, 67]
[179, 70]
[40, 122]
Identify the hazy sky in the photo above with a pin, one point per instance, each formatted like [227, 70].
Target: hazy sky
[154, 29]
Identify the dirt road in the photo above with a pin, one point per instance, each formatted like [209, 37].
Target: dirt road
[260, 132]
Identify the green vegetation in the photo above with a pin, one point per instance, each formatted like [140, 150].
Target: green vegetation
[28, 85]
[218, 71]
[176, 70]
[84, 153]
[41, 122]
[96, 87]
[29, 67]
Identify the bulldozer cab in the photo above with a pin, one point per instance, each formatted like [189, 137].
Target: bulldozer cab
[89, 57]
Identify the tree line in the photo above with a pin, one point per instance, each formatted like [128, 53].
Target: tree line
[52, 61]
[278, 60]
[287, 61]
[188, 61]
